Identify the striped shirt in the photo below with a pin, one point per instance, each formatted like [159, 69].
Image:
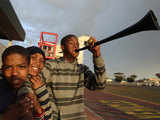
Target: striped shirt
[42, 97]
[44, 100]
[65, 83]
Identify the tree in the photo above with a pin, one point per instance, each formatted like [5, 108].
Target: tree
[119, 76]
[131, 78]
[158, 75]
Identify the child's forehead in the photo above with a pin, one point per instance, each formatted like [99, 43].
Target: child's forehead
[74, 39]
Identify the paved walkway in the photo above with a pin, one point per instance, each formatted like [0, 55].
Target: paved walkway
[91, 115]
[109, 106]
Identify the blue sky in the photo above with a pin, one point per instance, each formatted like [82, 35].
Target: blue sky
[135, 54]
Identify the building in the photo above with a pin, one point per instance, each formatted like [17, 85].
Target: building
[2, 47]
[10, 26]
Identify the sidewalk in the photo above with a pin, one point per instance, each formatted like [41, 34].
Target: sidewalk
[92, 115]
[110, 106]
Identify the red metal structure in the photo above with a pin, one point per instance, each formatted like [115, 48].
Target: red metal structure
[48, 43]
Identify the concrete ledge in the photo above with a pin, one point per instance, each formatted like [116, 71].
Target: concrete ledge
[10, 26]
[92, 115]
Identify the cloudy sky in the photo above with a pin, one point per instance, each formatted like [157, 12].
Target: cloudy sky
[135, 54]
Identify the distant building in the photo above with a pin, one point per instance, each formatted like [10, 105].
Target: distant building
[2, 47]
[82, 40]
[109, 81]
[58, 52]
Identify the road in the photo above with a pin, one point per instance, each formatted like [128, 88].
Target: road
[123, 103]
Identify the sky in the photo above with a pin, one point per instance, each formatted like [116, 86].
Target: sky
[134, 54]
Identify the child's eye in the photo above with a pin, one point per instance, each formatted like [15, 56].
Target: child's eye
[22, 66]
[7, 67]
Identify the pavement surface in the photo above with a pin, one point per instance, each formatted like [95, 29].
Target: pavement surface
[101, 105]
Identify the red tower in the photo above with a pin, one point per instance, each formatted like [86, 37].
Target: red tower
[47, 43]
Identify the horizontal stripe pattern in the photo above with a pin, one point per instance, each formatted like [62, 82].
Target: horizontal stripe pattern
[44, 100]
[42, 93]
[65, 83]
[70, 103]
[81, 116]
